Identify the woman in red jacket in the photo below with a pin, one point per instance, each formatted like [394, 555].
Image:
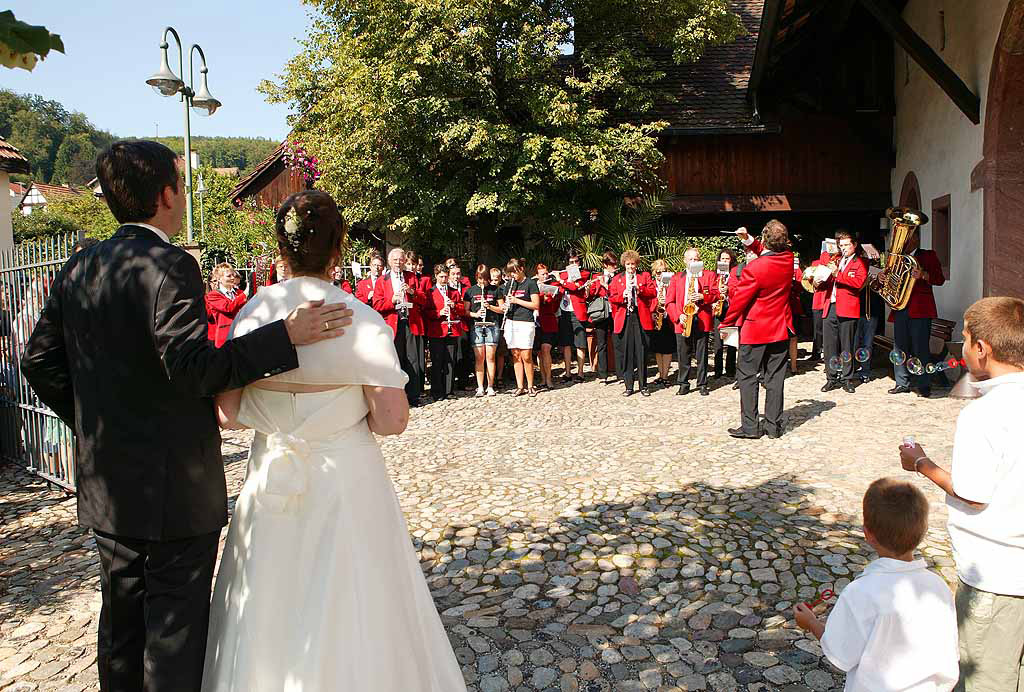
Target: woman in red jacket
[548, 320]
[223, 303]
[630, 294]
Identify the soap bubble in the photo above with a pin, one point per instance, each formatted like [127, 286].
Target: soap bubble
[835, 364]
[846, 356]
[915, 366]
[929, 368]
[863, 355]
[897, 357]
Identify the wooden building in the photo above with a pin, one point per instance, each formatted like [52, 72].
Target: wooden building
[270, 182]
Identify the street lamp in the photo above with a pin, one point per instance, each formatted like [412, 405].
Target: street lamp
[201, 189]
[167, 83]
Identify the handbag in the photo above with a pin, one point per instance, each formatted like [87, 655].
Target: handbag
[599, 309]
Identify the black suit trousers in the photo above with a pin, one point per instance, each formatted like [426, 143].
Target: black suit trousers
[443, 350]
[412, 357]
[839, 335]
[696, 343]
[155, 613]
[771, 358]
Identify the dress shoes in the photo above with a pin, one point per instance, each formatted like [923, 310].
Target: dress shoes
[645, 392]
[924, 393]
[704, 391]
[628, 392]
[849, 388]
[743, 434]
[829, 386]
[736, 384]
[900, 389]
[683, 389]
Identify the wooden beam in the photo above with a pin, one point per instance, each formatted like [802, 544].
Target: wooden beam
[765, 37]
[916, 47]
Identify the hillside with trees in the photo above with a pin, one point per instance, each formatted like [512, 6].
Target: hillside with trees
[62, 145]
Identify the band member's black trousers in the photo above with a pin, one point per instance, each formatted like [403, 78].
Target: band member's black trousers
[601, 330]
[155, 614]
[772, 359]
[464, 362]
[631, 350]
[723, 352]
[443, 350]
[696, 343]
[412, 358]
[911, 335]
[818, 327]
[839, 335]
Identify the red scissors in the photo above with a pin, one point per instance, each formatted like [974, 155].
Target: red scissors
[825, 595]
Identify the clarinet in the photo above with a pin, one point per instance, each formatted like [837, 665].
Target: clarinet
[403, 310]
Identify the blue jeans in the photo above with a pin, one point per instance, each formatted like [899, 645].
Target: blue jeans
[484, 336]
[910, 335]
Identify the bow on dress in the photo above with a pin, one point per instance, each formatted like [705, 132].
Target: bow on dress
[284, 473]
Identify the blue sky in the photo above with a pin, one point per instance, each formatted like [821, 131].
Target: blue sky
[113, 46]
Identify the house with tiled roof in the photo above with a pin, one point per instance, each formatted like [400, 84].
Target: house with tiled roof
[11, 161]
[270, 181]
[38, 195]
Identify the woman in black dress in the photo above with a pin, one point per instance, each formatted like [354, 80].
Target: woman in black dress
[663, 339]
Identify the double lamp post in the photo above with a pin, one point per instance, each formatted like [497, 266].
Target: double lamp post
[167, 83]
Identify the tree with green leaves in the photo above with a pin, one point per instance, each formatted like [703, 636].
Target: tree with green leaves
[22, 45]
[430, 118]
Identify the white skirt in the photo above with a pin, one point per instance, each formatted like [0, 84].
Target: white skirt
[519, 335]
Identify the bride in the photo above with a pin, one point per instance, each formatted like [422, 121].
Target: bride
[319, 588]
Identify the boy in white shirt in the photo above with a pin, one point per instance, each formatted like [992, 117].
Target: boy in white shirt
[893, 628]
[985, 499]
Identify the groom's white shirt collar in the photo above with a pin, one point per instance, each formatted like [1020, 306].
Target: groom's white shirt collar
[159, 234]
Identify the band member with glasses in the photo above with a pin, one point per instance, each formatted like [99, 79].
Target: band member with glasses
[701, 292]
[601, 342]
[573, 321]
[759, 307]
[442, 316]
[663, 339]
[520, 294]
[399, 300]
[842, 310]
[630, 294]
[364, 287]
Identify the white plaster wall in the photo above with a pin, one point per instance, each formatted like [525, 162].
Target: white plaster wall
[938, 143]
[6, 230]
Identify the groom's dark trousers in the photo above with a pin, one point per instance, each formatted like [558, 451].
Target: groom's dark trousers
[121, 354]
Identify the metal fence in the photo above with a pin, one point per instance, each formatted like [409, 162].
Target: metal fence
[31, 435]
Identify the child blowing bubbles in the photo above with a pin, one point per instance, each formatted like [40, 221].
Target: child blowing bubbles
[985, 499]
[894, 627]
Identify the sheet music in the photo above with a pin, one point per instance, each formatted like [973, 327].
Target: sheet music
[357, 269]
[547, 288]
[572, 273]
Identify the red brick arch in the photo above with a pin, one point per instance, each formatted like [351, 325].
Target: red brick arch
[910, 193]
[1002, 169]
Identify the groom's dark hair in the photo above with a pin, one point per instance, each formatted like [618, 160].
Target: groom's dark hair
[132, 175]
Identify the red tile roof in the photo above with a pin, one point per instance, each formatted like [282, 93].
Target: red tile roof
[54, 192]
[11, 159]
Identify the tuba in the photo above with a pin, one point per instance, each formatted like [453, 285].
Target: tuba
[896, 280]
[689, 308]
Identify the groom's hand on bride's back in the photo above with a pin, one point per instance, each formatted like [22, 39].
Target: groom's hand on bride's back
[314, 321]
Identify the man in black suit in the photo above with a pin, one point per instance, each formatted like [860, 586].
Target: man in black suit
[121, 354]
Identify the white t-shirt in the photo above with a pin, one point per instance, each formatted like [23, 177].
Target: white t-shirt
[988, 467]
[894, 628]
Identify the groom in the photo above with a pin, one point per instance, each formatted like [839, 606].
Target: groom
[121, 354]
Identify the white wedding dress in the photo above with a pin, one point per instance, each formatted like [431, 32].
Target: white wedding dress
[319, 588]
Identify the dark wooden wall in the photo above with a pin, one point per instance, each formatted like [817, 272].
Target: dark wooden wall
[274, 185]
[812, 155]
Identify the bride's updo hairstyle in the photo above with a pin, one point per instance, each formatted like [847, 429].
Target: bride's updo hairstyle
[310, 231]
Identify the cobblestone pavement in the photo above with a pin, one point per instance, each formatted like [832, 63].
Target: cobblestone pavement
[577, 541]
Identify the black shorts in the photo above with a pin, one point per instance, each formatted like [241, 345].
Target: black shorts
[571, 332]
[549, 338]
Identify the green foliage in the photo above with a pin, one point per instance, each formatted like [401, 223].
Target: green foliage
[242, 153]
[86, 212]
[21, 44]
[40, 225]
[47, 134]
[432, 118]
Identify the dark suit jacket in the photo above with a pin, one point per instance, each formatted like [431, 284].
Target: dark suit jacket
[121, 354]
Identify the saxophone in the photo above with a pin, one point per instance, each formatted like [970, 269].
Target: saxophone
[723, 291]
[689, 308]
[896, 281]
[659, 314]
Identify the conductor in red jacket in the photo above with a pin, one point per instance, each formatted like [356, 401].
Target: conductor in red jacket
[841, 311]
[399, 298]
[703, 295]
[223, 303]
[912, 326]
[759, 305]
[630, 293]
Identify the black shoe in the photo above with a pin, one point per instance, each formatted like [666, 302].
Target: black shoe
[743, 435]
[849, 388]
[814, 358]
[924, 393]
[704, 391]
[736, 384]
[900, 389]
[717, 375]
[683, 389]
[628, 392]
[773, 434]
[645, 392]
[829, 386]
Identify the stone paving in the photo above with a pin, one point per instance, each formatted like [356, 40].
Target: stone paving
[579, 541]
